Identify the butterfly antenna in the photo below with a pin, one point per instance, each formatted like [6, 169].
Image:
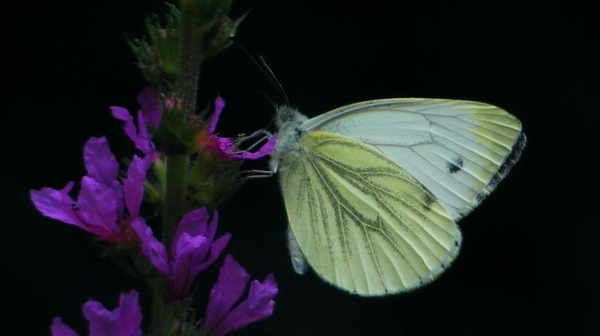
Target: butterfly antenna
[264, 68]
[274, 80]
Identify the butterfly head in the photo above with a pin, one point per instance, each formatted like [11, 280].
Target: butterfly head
[289, 130]
[287, 115]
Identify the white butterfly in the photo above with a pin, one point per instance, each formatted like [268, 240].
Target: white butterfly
[373, 190]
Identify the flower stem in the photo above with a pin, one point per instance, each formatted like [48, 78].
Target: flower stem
[157, 284]
[174, 202]
[191, 56]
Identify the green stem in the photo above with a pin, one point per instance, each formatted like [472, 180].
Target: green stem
[157, 285]
[174, 202]
[189, 68]
[174, 209]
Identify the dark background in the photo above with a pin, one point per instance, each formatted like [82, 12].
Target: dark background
[530, 257]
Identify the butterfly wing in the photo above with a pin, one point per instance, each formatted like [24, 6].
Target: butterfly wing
[459, 150]
[364, 223]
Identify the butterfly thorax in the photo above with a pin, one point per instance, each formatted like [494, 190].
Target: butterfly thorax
[289, 124]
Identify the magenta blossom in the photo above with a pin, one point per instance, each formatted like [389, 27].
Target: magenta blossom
[229, 147]
[104, 207]
[221, 316]
[194, 248]
[125, 320]
[150, 106]
[148, 117]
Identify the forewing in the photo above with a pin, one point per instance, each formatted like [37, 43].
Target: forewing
[363, 223]
[459, 150]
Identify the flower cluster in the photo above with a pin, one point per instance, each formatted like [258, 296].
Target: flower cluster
[221, 317]
[104, 207]
[182, 170]
[193, 250]
[124, 320]
[108, 207]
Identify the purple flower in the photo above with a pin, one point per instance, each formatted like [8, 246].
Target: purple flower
[229, 147]
[221, 316]
[124, 320]
[150, 106]
[194, 248]
[102, 200]
[106, 207]
[148, 116]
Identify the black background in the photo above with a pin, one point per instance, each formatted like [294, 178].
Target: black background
[529, 261]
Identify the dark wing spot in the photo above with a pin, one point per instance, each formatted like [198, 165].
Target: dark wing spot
[455, 165]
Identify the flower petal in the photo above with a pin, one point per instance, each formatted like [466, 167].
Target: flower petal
[124, 320]
[144, 139]
[215, 250]
[227, 147]
[58, 328]
[191, 245]
[100, 162]
[99, 210]
[214, 119]
[229, 288]
[259, 305]
[141, 138]
[102, 166]
[130, 314]
[56, 204]
[150, 105]
[123, 114]
[194, 223]
[152, 249]
[94, 212]
[190, 252]
[266, 149]
[133, 185]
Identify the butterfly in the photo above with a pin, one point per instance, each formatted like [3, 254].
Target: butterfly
[373, 190]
